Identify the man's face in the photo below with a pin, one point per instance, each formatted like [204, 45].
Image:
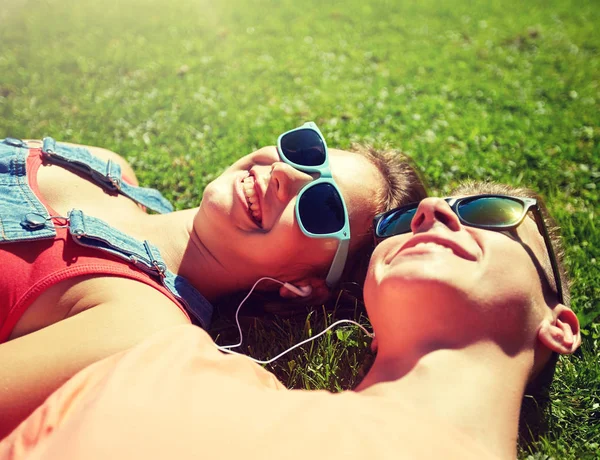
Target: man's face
[457, 280]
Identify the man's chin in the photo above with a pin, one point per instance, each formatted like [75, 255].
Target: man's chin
[413, 291]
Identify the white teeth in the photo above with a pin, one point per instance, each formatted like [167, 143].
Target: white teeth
[252, 198]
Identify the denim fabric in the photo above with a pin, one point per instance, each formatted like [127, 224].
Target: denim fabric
[92, 232]
[17, 200]
[105, 173]
[24, 217]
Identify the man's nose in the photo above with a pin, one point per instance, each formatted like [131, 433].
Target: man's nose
[432, 211]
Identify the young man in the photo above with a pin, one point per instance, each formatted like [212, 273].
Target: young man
[464, 315]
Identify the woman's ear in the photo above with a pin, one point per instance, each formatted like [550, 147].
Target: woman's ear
[312, 289]
[374, 344]
[561, 333]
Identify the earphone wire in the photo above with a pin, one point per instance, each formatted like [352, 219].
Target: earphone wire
[237, 314]
[228, 348]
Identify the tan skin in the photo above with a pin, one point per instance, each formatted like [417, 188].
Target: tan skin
[461, 320]
[90, 311]
[458, 337]
[79, 321]
[64, 191]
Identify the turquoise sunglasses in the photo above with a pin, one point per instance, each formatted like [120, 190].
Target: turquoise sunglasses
[320, 208]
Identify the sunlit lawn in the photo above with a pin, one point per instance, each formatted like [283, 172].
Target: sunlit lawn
[506, 90]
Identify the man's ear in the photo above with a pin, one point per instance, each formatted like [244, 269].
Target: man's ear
[561, 333]
[318, 294]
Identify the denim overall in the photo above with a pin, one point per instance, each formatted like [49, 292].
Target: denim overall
[23, 217]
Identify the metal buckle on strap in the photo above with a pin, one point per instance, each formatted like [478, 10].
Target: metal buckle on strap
[160, 267]
[48, 146]
[114, 180]
[13, 141]
[34, 221]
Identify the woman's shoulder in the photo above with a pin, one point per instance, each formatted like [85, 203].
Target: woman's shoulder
[124, 297]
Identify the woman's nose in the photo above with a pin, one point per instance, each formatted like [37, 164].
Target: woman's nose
[283, 179]
[432, 211]
[287, 181]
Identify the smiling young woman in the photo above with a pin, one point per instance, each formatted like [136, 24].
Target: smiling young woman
[89, 272]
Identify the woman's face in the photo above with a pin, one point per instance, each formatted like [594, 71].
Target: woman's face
[247, 215]
[445, 274]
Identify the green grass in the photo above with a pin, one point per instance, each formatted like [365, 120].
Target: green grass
[508, 90]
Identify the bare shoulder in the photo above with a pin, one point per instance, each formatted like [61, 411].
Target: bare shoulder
[119, 300]
[126, 301]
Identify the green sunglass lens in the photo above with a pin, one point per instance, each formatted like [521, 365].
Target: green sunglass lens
[491, 211]
[396, 222]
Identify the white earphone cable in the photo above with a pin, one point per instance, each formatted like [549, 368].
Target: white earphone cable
[228, 348]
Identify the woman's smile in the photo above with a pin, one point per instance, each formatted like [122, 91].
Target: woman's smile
[253, 199]
[248, 199]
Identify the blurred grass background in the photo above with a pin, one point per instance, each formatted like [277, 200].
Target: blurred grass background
[504, 90]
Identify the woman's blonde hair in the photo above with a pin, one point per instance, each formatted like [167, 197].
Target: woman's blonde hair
[402, 185]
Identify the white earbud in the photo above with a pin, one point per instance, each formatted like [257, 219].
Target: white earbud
[302, 291]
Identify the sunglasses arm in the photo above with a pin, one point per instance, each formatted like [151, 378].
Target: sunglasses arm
[339, 262]
[539, 220]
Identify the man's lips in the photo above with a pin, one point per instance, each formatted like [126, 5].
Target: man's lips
[425, 244]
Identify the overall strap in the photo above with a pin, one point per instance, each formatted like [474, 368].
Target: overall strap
[105, 173]
[22, 215]
[92, 232]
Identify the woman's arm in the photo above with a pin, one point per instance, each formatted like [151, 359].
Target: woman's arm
[33, 366]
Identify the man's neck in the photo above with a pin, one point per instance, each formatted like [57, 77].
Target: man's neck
[477, 389]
